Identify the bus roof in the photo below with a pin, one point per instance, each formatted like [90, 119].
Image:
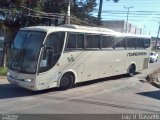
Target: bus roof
[78, 28]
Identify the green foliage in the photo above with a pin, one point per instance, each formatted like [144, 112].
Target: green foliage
[83, 8]
[3, 71]
[156, 50]
[1, 44]
[79, 8]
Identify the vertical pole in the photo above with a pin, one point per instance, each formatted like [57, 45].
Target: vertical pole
[158, 34]
[29, 13]
[100, 11]
[158, 31]
[69, 12]
[144, 30]
[128, 8]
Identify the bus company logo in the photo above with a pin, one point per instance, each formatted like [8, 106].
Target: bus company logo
[136, 54]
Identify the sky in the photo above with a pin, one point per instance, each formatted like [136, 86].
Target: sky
[145, 14]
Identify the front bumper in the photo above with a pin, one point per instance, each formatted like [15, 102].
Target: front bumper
[152, 60]
[22, 83]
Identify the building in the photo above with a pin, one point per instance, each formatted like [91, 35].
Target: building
[153, 42]
[120, 26]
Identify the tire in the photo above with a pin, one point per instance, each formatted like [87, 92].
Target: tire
[132, 70]
[66, 81]
[157, 59]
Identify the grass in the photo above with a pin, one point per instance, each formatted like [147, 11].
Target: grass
[156, 50]
[3, 71]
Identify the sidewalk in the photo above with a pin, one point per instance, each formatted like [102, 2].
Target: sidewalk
[3, 77]
[154, 78]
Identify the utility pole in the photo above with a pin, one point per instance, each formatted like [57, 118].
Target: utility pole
[69, 12]
[158, 34]
[144, 30]
[100, 11]
[29, 13]
[158, 31]
[128, 8]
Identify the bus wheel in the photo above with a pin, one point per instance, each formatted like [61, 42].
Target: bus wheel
[132, 70]
[67, 81]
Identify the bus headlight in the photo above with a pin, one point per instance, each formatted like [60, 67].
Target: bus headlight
[8, 74]
[28, 80]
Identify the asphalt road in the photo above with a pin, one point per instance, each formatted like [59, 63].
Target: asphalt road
[114, 95]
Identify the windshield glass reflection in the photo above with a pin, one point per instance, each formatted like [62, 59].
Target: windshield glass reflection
[25, 51]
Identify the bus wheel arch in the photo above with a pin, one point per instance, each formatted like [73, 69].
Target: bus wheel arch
[67, 80]
[131, 70]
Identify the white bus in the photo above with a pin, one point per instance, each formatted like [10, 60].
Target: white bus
[46, 57]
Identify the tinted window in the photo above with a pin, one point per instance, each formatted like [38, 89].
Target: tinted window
[146, 43]
[131, 42]
[107, 42]
[80, 40]
[92, 41]
[25, 50]
[140, 43]
[75, 40]
[51, 53]
[56, 40]
[120, 42]
[71, 43]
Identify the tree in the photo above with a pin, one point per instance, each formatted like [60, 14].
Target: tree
[100, 10]
[35, 12]
[60, 7]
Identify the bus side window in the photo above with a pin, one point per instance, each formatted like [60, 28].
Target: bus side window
[120, 42]
[147, 43]
[131, 43]
[107, 42]
[51, 51]
[140, 43]
[71, 42]
[56, 41]
[80, 41]
[75, 41]
[92, 41]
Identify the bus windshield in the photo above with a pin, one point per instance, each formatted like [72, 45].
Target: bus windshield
[25, 51]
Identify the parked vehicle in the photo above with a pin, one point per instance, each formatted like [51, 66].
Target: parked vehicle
[153, 57]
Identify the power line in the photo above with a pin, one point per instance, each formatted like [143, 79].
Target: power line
[132, 16]
[125, 11]
[130, 19]
[49, 15]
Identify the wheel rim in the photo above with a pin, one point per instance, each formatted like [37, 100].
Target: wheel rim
[65, 82]
[132, 70]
